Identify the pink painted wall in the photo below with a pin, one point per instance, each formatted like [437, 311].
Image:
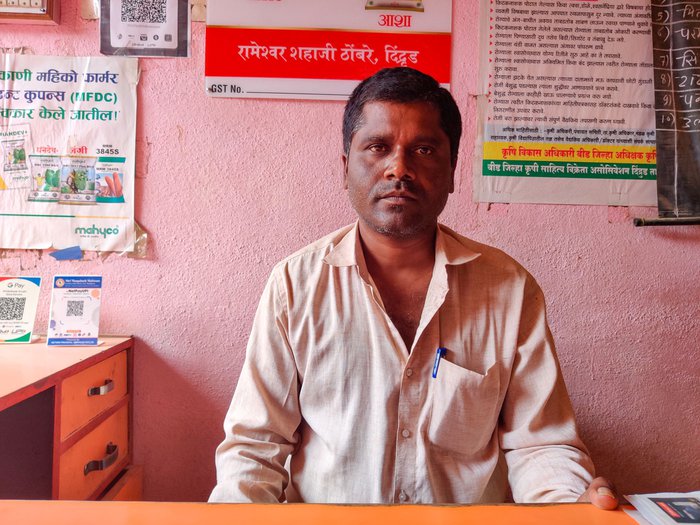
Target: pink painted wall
[228, 187]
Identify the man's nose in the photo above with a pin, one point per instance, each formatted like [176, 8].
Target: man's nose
[399, 166]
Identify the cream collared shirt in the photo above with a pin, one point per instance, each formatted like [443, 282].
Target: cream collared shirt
[329, 386]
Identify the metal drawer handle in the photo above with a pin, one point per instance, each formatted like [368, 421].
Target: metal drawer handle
[101, 390]
[102, 464]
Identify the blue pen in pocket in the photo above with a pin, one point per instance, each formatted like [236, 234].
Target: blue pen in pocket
[439, 354]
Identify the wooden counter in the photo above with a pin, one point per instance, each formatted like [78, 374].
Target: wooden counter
[149, 513]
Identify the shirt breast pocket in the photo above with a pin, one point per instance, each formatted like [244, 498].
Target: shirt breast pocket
[465, 408]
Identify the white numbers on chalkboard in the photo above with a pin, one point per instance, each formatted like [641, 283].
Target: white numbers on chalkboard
[665, 80]
[666, 119]
[676, 41]
[664, 33]
[688, 100]
[690, 123]
[687, 80]
[662, 16]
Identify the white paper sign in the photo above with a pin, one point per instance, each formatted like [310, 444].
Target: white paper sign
[19, 297]
[567, 114]
[75, 310]
[67, 146]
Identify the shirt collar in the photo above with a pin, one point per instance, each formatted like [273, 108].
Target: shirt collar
[448, 249]
[344, 253]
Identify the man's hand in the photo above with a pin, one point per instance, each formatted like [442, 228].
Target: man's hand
[601, 493]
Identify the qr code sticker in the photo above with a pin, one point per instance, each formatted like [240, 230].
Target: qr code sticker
[75, 308]
[144, 11]
[12, 308]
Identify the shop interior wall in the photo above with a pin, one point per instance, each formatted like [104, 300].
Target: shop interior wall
[226, 188]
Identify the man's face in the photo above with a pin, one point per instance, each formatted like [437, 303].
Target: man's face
[398, 171]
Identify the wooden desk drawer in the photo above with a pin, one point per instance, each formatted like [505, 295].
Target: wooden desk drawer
[128, 487]
[78, 405]
[73, 482]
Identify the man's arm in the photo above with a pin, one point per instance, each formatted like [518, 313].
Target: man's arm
[262, 422]
[547, 462]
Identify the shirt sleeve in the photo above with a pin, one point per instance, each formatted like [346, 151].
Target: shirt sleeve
[261, 425]
[547, 462]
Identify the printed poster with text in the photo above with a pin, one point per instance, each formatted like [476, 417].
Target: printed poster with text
[316, 49]
[568, 115]
[67, 146]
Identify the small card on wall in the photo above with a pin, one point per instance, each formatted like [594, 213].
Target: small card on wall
[145, 28]
[74, 317]
[19, 297]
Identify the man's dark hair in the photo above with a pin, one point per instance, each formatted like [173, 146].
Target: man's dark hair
[403, 85]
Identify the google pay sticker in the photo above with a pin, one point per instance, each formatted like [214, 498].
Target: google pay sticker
[19, 297]
[74, 317]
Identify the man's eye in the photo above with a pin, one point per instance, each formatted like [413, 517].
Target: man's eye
[377, 148]
[424, 150]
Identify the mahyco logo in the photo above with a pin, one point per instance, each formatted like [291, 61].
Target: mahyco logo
[94, 230]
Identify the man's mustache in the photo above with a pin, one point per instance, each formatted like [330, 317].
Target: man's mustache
[403, 186]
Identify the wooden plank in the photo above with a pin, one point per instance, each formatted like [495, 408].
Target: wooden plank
[147, 513]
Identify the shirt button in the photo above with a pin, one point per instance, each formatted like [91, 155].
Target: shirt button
[403, 496]
[406, 433]
[409, 372]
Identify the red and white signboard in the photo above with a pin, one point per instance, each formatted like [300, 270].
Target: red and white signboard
[320, 49]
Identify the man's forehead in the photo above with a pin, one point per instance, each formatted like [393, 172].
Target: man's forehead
[386, 115]
[385, 107]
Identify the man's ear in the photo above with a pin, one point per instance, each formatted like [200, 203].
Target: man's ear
[345, 171]
[452, 179]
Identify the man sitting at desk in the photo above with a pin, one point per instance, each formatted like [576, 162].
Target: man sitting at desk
[393, 360]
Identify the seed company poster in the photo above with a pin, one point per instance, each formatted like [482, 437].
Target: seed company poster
[67, 140]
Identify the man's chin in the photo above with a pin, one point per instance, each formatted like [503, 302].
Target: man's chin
[403, 231]
[399, 223]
